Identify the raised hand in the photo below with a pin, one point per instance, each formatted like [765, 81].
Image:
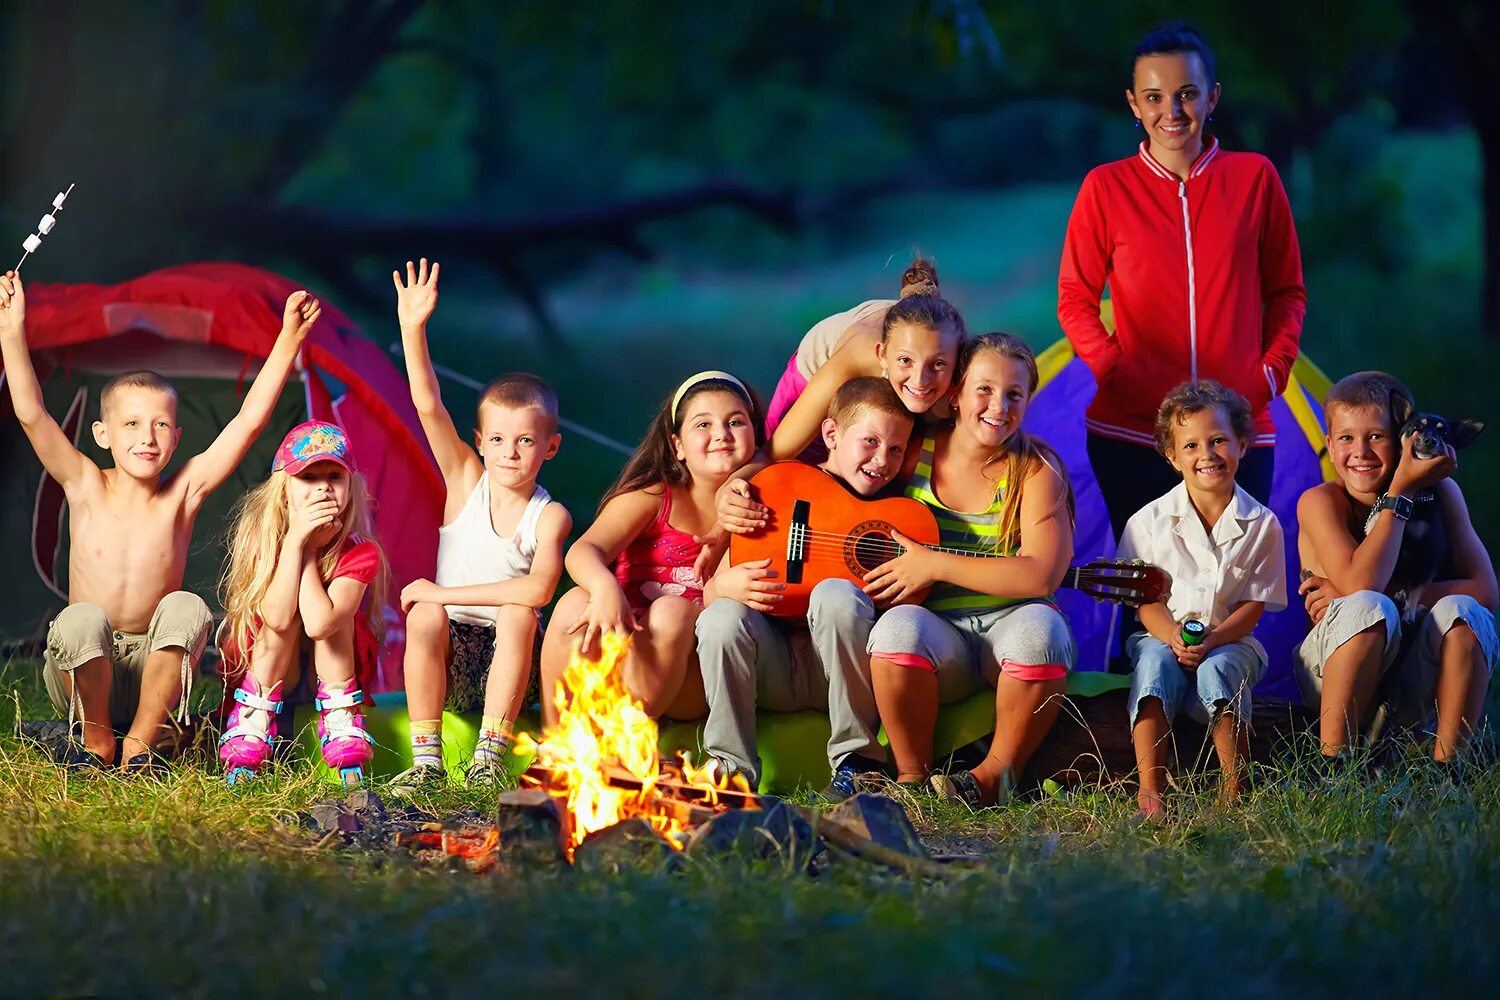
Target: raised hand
[301, 312]
[417, 296]
[12, 305]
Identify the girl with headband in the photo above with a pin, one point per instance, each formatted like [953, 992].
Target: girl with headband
[634, 565]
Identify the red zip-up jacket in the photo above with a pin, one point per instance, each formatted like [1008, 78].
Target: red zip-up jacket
[1206, 281]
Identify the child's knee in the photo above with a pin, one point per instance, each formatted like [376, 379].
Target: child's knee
[724, 624]
[671, 615]
[182, 616]
[899, 630]
[426, 620]
[79, 630]
[514, 621]
[840, 598]
[1036, 636]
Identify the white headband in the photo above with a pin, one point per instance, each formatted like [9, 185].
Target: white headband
[693, 380]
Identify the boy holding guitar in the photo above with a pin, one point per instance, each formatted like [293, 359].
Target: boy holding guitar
[817, 660]
[1224, 553]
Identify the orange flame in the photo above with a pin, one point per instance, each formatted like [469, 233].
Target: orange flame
[601, 730]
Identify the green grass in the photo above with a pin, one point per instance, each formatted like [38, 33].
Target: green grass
[187, 887]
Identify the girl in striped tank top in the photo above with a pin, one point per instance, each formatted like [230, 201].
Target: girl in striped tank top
[997, 492]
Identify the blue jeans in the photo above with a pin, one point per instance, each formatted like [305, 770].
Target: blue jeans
[1224, 679]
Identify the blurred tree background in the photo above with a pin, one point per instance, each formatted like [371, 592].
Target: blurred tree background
[621, 192]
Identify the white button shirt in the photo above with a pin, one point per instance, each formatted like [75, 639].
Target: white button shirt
[1243, 559]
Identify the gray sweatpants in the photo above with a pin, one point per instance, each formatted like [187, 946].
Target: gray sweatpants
[752, 660]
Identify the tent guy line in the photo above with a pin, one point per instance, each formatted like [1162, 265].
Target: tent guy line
[571, 426]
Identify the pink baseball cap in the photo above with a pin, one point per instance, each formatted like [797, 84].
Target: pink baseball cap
[313, 441]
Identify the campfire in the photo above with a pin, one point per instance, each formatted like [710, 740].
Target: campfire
[600, 760]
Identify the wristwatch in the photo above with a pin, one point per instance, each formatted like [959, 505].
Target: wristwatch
[1398, 505]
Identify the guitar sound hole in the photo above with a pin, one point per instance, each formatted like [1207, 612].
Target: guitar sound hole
[871, 550]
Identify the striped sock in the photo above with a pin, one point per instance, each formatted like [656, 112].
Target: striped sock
[495, 736]
[427, 743]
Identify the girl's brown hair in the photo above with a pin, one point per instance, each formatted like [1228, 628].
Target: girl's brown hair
[655, 461]
[922, 305]
[1023, 452]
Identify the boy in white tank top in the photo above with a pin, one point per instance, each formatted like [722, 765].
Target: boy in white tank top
[469, 635]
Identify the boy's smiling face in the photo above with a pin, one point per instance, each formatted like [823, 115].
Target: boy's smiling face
[1206, 452]
[1363, 447]
[867, 453]
[139, 428]
[513, 442]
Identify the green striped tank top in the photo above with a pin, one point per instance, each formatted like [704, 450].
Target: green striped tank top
[957, 529]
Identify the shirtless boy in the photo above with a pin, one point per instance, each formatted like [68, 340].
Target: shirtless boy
[1351, 535]
[123, 651]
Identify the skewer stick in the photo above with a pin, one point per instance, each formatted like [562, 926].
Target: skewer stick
[33, 243]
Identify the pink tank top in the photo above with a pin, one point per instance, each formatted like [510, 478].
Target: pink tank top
[659, 562]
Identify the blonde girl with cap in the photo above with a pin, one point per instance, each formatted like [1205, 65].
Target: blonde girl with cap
[634, 567]
[302, 564]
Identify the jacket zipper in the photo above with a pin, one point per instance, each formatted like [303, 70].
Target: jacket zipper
[1187, 236]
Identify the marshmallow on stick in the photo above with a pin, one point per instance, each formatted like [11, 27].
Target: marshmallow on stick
[33, 243]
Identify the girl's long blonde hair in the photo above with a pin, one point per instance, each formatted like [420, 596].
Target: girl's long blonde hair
[259, 524]
[1023, 452]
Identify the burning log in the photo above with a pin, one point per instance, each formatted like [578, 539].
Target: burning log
[599, 761]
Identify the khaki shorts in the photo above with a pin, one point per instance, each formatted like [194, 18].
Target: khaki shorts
[1409, 670]
[82, 632]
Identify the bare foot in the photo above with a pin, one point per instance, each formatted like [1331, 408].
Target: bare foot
[1152, 809]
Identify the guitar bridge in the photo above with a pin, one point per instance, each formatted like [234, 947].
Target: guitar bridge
[796, 541]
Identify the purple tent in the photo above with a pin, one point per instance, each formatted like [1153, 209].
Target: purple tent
[1056, 415]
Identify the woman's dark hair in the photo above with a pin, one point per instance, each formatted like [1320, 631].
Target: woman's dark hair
[655, 461]
[1170, 39]
[922, 305]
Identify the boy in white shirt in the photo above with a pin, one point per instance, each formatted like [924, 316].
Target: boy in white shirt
[1224, 553]
[469, 634]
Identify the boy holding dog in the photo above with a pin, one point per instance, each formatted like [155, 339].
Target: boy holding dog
[1417, 641]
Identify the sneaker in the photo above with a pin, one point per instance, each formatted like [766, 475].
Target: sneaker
[421, 778]
[851, 777]
[146, 765]
[486, 774]
[962, 787]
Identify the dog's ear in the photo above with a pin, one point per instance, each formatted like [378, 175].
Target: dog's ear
[1401, 410]
[1463, 432]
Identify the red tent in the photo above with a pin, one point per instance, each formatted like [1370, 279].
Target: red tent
[208, 327]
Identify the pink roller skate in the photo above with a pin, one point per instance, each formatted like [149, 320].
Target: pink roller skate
[246, 745]
[341, 732]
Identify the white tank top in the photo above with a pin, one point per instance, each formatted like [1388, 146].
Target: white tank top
[471, 552]
[818, 343]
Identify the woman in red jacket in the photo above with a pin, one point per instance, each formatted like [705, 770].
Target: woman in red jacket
[1199, 252]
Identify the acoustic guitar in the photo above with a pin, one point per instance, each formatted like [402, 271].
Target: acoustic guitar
[818, 530]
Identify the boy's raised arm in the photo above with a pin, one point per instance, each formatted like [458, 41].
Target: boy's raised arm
[60, 458]
[205, 472]
[416, 298]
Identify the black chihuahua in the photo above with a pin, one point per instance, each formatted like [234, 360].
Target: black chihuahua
[1424, 552]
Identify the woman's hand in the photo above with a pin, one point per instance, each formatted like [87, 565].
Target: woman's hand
[606, 611]
[738, 511]
[897, 580]
[752, 584]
